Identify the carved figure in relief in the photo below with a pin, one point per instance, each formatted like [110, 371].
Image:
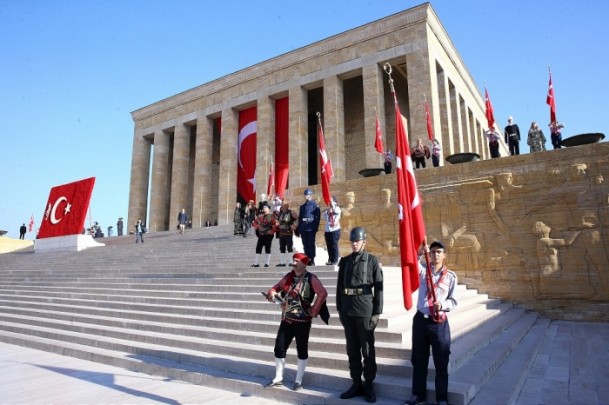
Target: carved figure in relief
[550, 267]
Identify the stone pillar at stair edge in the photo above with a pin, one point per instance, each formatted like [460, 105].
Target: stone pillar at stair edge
[265, 139]
[373, 98]
[140, 176]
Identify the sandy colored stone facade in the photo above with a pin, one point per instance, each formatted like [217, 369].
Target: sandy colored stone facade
[532, 229]
[181, 160]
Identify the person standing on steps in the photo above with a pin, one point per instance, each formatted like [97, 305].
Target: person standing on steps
[359, 301]
[332, 230]
[287, 222]
[140, 230]
[182, 220]
[265, 225]
[303, 298]
[308, 225]
[430, 327]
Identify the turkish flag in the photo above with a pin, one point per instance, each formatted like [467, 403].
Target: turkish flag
[551, 101]
[325, 164]
[270, 186]
[246, 152]
[31, 224]
[490, 118]
[410, 215]
[66, 209]
[428, 120]
[378, 139]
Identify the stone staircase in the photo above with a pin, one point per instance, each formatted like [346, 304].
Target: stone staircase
[189, 307]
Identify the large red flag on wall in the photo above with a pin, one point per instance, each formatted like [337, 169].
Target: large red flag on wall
[378, 139]
[324, 163]
[282, 145]
[66, 209]
[428, 120]
[490, 118]
[246, 152]
[550, 100]
[410, 215]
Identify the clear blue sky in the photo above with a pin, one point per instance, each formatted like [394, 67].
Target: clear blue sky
[71, 72]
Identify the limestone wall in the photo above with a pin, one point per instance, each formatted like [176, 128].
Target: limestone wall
[532, 229]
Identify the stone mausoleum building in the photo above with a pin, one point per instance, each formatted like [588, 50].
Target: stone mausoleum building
[185, 147]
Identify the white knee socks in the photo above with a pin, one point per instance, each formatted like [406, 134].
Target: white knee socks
[302, 364]
[279, 366]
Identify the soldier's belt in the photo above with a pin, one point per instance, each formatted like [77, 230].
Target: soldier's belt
[357, 291]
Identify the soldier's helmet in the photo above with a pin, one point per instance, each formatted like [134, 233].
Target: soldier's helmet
[358, 233]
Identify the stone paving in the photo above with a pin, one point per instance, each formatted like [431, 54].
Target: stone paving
[571, 369]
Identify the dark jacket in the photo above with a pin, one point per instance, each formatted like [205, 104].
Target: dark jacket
[308, 219]
[359, 271]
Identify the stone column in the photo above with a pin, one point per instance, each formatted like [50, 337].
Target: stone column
[227, 188]
[159, 201]
[374, 104]
[140, 176]
[299, 127]
[419, 87]
[202, 178]
[179, 173]
[444, 130]
[333, 120]
[265, 139]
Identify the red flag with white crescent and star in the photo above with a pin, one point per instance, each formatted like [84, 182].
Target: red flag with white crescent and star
[428, 120]
[410, 214]
[378, 139]
[490, 117]
[246, 153]
[550, 100]
[325, 164]
[66, 209]
[31, 224]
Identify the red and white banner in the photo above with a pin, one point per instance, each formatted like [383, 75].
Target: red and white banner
[270, 184]
[246, 153]
[378, 139]
[282, 145]
[428, 120]
[325, 164]
[490, 118]
[410, 215]
[550, 100]
[66, 209]
[31, 224]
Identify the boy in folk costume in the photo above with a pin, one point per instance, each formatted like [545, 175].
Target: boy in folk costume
[302, 297]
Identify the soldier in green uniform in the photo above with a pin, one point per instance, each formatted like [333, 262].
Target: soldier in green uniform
[359, 301]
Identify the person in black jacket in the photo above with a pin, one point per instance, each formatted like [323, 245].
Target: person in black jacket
[308, 225]
[359, 301]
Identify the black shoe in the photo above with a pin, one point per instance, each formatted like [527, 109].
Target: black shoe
[415, 400]
[255, 265]
[274, 384]
[280, 265]
[311, 263]
[266, 265]
[329, 263]
[356, 390]
[369, 392]
[297, 386]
